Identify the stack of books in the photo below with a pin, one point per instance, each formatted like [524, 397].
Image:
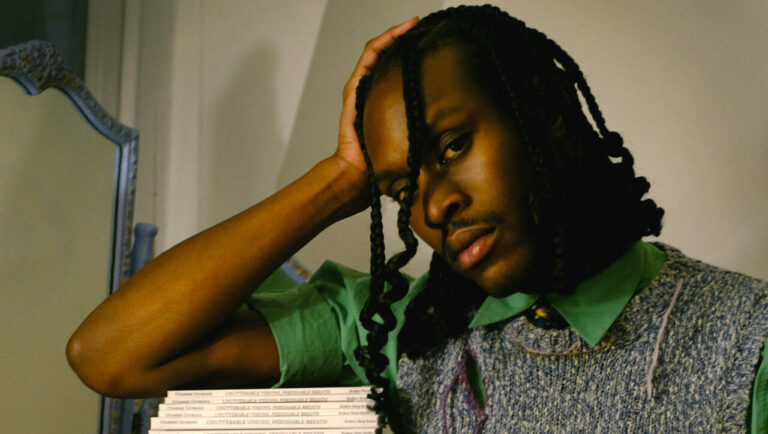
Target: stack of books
[327, 410]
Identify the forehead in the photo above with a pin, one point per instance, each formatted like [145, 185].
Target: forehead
[447, 88]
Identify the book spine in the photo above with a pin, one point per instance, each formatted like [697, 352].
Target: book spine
[270, 431]
[267, 406]
[234, 393]
[268, 413]
[339, 397]
[362, 421]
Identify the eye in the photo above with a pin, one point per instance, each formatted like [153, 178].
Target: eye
[454, 148]
[397, 190]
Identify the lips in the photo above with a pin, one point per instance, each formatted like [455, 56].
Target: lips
[468, 246]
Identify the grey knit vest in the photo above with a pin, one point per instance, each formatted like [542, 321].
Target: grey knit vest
[681, 357]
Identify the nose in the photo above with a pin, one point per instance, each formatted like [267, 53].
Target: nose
[442, 200]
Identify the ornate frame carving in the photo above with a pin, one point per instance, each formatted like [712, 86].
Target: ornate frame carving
[36, 66]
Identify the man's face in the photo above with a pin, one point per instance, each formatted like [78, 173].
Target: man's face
[470, 204]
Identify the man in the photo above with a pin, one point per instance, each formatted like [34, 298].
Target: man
[472, 122]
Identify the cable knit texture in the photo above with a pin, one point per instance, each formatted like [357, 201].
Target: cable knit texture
[680, 358]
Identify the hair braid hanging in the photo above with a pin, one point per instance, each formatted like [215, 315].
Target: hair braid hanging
[369, 356]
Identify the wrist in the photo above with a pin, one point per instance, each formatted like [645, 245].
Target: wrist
[347, 185]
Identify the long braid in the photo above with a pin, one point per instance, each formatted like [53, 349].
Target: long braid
[417, 135]
[613, 142]
[614, 146]
[369, 356]
[380, 298]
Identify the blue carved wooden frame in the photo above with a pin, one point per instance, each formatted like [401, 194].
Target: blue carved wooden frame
[36, 66]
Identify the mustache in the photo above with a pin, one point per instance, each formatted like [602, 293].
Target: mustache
[488, 219]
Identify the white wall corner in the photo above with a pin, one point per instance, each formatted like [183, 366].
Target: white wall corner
[103, 52]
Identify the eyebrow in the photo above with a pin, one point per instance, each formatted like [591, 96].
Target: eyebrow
[443, 113]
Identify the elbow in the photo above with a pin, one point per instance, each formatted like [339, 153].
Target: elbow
[95, 372]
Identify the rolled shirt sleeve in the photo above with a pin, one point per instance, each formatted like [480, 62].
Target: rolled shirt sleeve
[306, 333]
[315, 326]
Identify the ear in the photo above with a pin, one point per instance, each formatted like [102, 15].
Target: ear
[556, 128]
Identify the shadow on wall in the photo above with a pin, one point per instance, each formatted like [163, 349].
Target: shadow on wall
[243, 131]
[154, 115]
[346, 26]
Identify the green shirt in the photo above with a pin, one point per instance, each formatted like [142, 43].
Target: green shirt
[317, 329]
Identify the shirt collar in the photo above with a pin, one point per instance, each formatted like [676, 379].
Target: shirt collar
[595, 303]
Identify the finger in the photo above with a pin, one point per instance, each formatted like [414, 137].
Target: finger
[374, 47]
[378, 44]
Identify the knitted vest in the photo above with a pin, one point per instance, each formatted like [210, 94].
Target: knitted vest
[681, 357]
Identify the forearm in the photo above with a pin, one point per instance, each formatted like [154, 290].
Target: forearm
[187, 292]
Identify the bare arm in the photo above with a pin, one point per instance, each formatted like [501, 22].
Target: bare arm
[176, 324]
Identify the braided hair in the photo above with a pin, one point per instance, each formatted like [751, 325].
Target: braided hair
[582, 189]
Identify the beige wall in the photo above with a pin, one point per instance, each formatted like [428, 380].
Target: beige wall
[56, 196]
[218, 88]
[235, 98]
